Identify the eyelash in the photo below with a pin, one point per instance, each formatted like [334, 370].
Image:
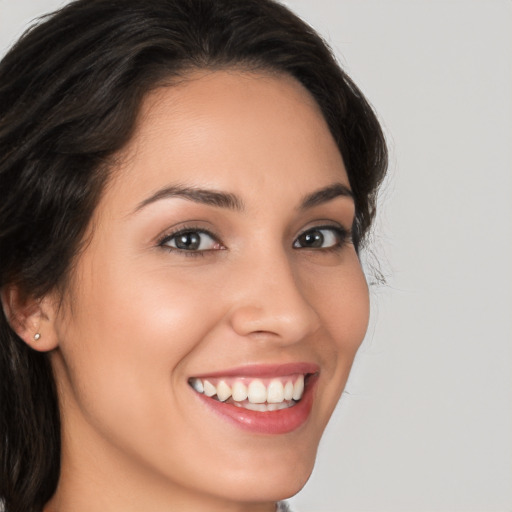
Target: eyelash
[343, 236]
[185, 230]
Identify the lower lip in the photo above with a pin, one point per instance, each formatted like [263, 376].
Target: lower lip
[270, 422]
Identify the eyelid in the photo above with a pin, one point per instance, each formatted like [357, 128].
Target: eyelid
[184, 228]
[344, 235]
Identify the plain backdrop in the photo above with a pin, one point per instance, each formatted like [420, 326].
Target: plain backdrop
[425, 423]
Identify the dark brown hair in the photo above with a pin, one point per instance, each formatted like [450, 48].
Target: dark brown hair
[70, 91]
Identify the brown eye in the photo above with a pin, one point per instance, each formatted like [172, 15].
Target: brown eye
[188, 241]
[320, 238]
[191, 240]
[311, 239]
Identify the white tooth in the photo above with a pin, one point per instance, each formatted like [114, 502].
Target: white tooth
[257, 392]
[298, 388]
[239, 391]
[197, 385]
[275, 392]
[264, 407]
[278, 407]
[209, 388]
[223, 391]
[256, 407]
[288, 390]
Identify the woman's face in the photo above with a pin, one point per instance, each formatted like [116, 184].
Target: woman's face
[219, 258]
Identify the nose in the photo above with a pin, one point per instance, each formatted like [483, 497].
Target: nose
[272, 302]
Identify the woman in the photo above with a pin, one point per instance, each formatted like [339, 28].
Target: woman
[186, 185]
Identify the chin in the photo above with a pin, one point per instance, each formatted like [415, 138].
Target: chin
[272, 484]
[277, 476]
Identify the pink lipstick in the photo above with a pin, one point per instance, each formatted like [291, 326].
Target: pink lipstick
[266, 399]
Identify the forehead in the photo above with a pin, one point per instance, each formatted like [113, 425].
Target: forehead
[232, 130]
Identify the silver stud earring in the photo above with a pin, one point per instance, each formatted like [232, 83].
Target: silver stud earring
[37, 336]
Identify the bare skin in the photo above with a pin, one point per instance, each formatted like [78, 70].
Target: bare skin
[142, 316]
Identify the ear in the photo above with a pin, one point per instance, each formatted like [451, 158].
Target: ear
[32, 319]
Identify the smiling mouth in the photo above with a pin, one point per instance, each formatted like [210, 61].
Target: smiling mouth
[255, 394]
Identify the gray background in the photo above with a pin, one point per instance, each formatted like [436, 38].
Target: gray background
[425, 423]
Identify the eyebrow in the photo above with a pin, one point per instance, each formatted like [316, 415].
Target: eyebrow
[233, 202]
[325, 194]
[198, 195]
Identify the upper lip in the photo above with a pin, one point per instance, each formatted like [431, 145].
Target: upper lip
[263, 370]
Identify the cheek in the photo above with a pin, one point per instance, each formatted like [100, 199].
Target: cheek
[351, 321]
[341, 300]
[142, 318]
[126, 339]
[350, 315]
[123, 359]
